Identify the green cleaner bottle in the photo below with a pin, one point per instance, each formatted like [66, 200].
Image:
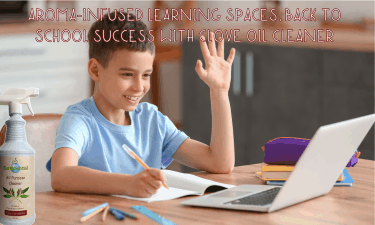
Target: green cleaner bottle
[17, 170]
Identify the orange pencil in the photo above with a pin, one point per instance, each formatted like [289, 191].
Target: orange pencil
[83, 219]
[134, 156]
[105, 213]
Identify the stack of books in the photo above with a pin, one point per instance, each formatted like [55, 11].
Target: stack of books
[278, 174]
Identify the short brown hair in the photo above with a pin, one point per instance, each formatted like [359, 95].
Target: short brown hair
[103, 51]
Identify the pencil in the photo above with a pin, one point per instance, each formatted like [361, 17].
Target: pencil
[126, 214]
[105, 213]
[134, 156]
[83, 219]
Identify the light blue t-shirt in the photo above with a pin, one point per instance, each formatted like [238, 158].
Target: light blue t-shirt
[98, 142]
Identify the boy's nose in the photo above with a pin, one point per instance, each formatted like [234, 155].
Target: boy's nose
[137, 85]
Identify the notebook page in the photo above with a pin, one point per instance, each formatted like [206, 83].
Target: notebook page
[190, 182]
[162, 194]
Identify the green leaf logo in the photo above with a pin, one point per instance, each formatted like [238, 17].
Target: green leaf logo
[6, 190]
[20, 193]
[24, 191]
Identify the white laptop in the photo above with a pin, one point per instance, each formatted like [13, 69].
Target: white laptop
[314, 175]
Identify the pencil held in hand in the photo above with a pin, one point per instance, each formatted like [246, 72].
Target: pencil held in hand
[134, 156]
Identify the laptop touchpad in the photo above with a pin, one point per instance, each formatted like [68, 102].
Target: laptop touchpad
[230, 194]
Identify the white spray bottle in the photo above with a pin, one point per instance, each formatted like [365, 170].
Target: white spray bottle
[17, 170]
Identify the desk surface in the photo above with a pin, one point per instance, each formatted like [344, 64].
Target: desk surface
[342, 205]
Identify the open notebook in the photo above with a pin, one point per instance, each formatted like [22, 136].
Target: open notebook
[181, 184]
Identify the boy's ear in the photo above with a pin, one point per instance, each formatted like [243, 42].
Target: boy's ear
[93, 68]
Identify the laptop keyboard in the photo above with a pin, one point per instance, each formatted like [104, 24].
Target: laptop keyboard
[261, 198]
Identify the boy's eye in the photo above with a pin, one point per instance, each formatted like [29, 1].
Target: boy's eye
[148, 75]
[127, 74]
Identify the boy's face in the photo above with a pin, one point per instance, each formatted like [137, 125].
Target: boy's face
[126, 79]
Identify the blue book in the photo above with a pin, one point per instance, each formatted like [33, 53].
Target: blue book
[348, 181]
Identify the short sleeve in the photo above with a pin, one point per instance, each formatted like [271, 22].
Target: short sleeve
[73, 132]
[173, 138]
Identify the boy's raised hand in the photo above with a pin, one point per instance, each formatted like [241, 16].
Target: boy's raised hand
[146, 183]
[217, 74]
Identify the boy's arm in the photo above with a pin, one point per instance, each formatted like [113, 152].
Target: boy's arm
[67, 176]
[219, 156]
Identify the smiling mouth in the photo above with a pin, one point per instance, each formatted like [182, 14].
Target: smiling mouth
[132, 98]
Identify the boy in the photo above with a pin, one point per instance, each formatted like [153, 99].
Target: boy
[89, 157]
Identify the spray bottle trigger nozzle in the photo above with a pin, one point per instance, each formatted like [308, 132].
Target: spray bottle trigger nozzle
[28, 103]
[29, 106]
[14, 97]
[35, 92]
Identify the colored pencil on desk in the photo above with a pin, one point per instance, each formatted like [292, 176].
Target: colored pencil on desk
[89, 211]
[126, 214]
[118, 215]
[134, 156]
[105, 213]
[83, 219]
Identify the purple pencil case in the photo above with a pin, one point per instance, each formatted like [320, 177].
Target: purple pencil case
[287, 150]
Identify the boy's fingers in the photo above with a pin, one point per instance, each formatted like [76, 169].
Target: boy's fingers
[149, 191]
[211, 45]
[204, 48]
[157, 174]
[231, 56]
[220, 49]
[153, 182]
[199, 68]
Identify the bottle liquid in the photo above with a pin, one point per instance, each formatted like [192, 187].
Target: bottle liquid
[17, 171]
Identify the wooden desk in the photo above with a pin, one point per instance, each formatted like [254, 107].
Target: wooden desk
[343, 205]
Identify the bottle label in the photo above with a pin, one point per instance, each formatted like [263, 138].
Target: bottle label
[17, 187]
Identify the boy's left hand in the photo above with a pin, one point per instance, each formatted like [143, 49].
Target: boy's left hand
[217, 74]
